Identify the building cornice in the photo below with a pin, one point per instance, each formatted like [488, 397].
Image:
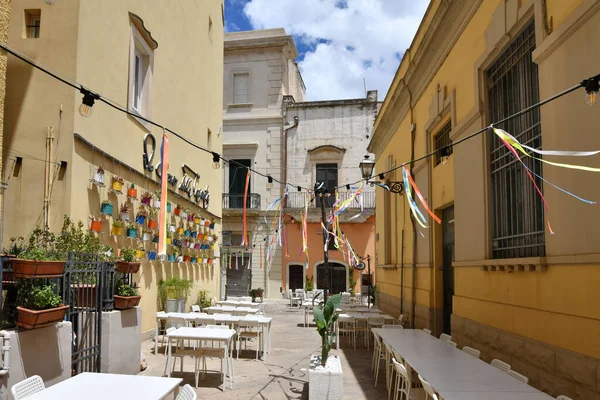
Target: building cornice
[244, 41]
[442, 33]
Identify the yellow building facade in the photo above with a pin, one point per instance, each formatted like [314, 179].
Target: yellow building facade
[492, 274]
[145, 56]
[5, 6]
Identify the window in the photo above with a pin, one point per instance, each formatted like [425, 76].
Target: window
[238, 170]
[240, 88]
[517, 210]
[328, 174]
[441, 140]
[32, 24]
[140, 75]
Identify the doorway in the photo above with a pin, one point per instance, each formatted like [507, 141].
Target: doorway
[296, 277]
[448, 269]
[239, 276]
[237, 183]
[337, 277]
[365, 281]
[328, 174]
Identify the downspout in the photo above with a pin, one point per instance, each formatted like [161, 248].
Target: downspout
[5, 335]
[285, 143]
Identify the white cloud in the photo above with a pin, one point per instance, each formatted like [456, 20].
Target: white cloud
[350, 39]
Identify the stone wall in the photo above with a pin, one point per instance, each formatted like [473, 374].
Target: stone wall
[551, 369]
[391, 305]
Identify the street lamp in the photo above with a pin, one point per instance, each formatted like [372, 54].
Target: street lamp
[366, 167]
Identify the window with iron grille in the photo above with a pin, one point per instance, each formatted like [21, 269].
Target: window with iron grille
[441, 140]
[517, 210]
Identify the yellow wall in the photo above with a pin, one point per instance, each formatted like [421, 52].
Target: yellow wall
[89, 42]
[546, 306]
[4, 24]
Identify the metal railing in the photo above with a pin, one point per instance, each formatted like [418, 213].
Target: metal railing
[236, 201]
[296, 200]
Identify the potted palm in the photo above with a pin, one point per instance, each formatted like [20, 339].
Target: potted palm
[117, 183]
[126, 297]
[106, 207]
[325, 373]
[128, 264]
[39, 306]
[132, 192]
[117, 228]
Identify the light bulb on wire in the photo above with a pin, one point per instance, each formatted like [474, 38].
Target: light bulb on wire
[89, 97]
[269, 182]
[592, 86]
[216, 160]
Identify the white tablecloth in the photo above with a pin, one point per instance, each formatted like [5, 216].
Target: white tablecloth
[90, 386]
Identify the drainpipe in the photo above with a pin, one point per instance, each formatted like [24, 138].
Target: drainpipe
[5, 335]
[412, 218]
[285, 141]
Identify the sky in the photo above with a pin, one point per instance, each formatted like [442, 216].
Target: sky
[341, 42]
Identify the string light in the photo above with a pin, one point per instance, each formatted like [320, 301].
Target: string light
[216, 160]
[592, 86]
[89, 97]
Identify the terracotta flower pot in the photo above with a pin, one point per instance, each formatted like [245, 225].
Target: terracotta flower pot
[96, 226]
[37, 269]
[128, 267]
[116, 185]
[125, 302]
[152, 224]
[32, 319]
[131, 192]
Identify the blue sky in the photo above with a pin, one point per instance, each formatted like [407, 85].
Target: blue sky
[341, 42]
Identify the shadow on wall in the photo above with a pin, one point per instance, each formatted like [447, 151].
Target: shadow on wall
[129, 319]
[40, 344]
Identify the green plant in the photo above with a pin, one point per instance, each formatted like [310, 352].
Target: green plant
[127, 254]
[325, 317]
[36, 295]
[107, 202]
[351, 281]
[173, 288]
[203, 299]
[126, 290]
[309, 286]
[372, 293]
[117, 224]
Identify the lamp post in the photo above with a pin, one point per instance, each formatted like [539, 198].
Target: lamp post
[370, 280]
[320, 190]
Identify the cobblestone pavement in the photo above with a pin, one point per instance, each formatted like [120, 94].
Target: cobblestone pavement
[284, 375]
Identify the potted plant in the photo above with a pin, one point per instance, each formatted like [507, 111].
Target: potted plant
[124, 212]
[96, 225]
[197, 219]
[177, 210]
[151, 255]
[184, 214]
[147, 235]
[152, 222]
[172, 256]
[309, 287]
[172, 228]
[117, 183]
[169, 238]
[39, 306]
[155, 239]
[106, 207]
[203, 299]
[190, 217]
[325, 373]
[131, 231]
[212, 224]
[140, 218]
[180, 230]
[128, 264]
[132, 192]
[186, 258]
[173, 293]
[187, 233]
[168, 207]
[157, 201]
[140, 252]
[253, 294]
[147, 199]
[126, 297]
[99, 176]
[117, 228]
[40, 258]
[194, 260]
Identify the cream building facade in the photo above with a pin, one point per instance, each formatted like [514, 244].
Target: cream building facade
[260, 76]
[136, 53]
[492, 274]
[5, 6]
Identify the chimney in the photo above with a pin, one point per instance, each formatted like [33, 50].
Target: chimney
[372, 96]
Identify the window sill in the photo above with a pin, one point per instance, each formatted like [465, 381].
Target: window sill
[145, 125]
[240, 105]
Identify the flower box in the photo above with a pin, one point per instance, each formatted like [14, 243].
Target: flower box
[37, 269]
[325, 383]
[125, 302]
[32, 319]
[128, 267]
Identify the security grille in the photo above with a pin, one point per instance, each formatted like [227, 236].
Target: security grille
[517, 212]
[442, 139]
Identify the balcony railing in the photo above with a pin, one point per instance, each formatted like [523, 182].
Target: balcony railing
[236, 201]
[296, 200]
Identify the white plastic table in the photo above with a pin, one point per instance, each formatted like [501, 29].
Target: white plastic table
[454, 374]
[92, 386]
[205, 334]
[226, 309]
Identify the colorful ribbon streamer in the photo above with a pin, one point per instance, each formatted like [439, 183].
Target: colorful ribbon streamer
[244, 225]
[164, 163]
[411, 203]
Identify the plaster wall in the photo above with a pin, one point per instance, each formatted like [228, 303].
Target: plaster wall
[121, 339]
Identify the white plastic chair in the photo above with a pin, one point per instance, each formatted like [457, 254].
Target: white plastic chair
[500, 365]
[219, 352]
[427, 331]
[195, 308]
[381, 355]
[187, 393]
[471, 351]
[451, 343]
[347, 325]
[181, 352]
[445, 337]
[27, 387]
[247, 332]
[403, 384]
[518, 376]
[428, 389]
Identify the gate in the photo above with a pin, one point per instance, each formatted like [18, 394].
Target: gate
[88, 289]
